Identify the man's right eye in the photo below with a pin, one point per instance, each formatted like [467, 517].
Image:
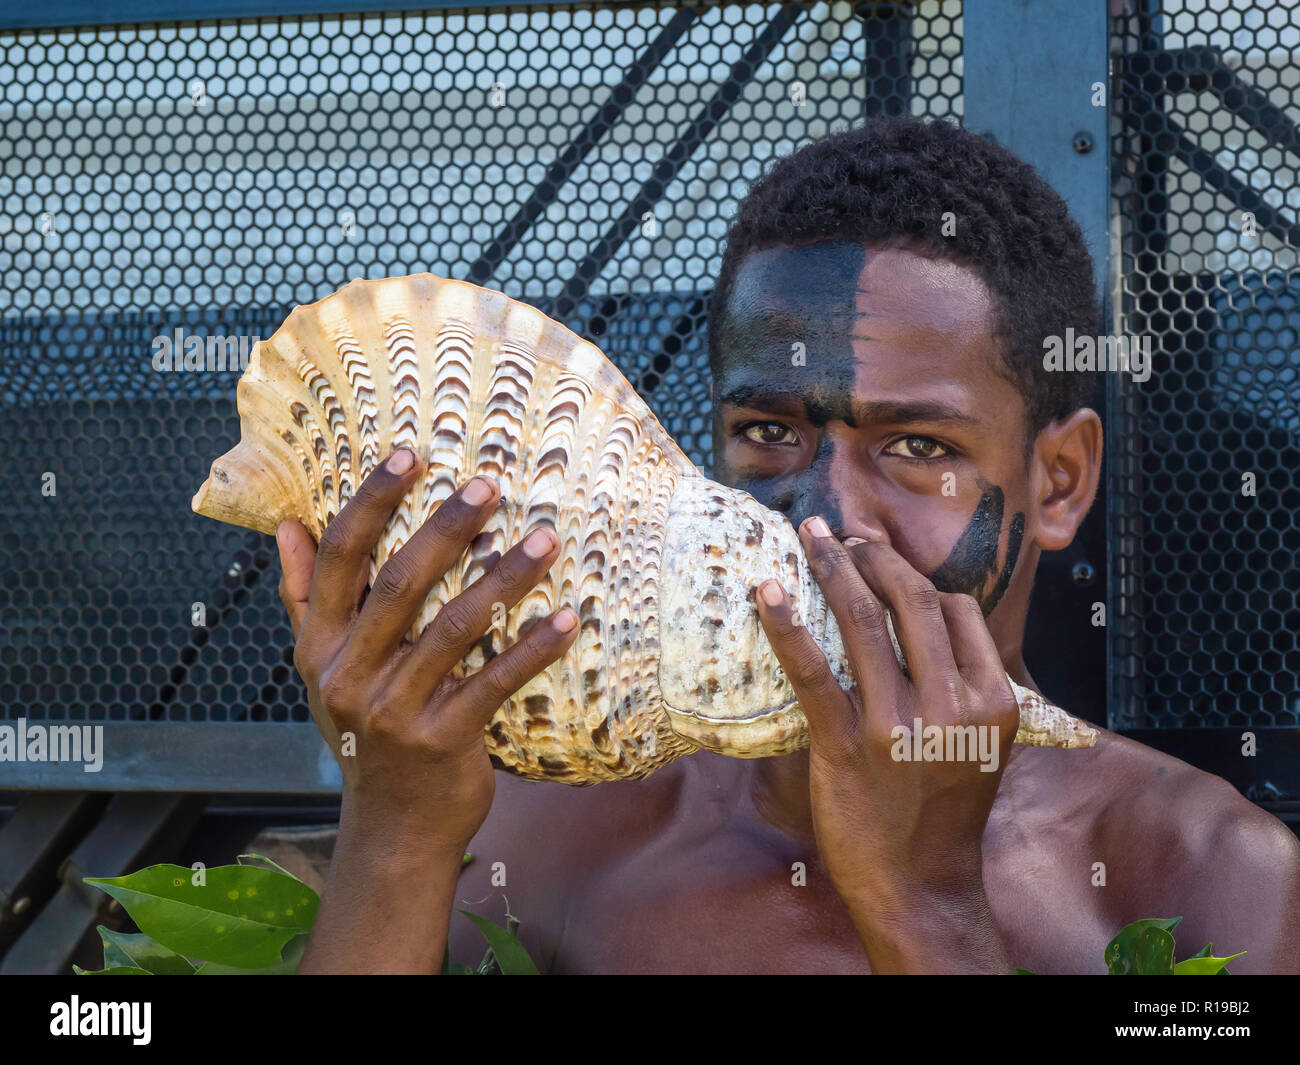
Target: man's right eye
[769, 433]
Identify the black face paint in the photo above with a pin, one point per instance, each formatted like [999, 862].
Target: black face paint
[808, 295]
[973, 561]
[780, 298]
[802, 494]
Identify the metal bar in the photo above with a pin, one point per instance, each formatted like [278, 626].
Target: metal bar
[212, 756]
[62, 13]
[741, 73]
[683, 326]
[1140, 311]
[136, 830]
[1030, 67]
[609, 308]
[618, 100]
[1258, 111]
[1241, 194]
[1172, 138]
[239, 577]
[887, 35]
[33, 842]
[1201, 68]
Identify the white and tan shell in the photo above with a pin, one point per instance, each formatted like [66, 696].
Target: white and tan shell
[659, 561]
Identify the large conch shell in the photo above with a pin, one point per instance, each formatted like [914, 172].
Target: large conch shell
[659, 561]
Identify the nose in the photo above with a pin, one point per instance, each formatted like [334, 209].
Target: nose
[837, 487]
[864, 530]
[859, 510]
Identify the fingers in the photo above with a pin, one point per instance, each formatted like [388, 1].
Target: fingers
[343, 557]
[462, 622]
[824, 703]
[297, 559]
[406, 578]
[917, 609]
[973, 648]
[858, 610]
[474, 703]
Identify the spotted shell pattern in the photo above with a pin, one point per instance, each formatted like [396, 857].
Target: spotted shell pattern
[659, 562]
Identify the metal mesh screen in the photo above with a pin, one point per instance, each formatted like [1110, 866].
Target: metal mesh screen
[208, 177]
[1204, 537]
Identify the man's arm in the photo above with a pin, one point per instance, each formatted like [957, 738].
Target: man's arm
[386, 906]
[408, 735]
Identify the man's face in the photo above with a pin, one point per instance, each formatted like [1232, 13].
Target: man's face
[860, 384]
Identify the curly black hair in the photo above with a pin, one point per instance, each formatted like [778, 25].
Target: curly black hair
[887, 183]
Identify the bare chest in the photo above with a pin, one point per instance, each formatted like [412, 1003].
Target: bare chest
[677, 882]
[720, 906]
[734, 905]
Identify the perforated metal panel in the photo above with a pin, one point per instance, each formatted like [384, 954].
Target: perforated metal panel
[208, 177]
[1204, 535]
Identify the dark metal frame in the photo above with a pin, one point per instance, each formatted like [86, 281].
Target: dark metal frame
[136, 829]
[213, 756]
[66, 13]
[1272, 776]
[1042, 115]
[1037, 102]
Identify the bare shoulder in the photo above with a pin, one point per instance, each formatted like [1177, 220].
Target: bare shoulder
[1180, 842]
[542, 841]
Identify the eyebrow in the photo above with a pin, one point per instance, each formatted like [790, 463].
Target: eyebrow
[924, 410]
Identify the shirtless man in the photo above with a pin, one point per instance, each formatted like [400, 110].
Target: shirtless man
[923, 357]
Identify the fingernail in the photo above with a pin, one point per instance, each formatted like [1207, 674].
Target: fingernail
[401, 461]
[853, 541]
[771, 593]
[817, 527]
[478, 491]
[538, 544]
[565, 620]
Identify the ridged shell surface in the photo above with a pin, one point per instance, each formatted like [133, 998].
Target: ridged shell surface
[476, 382]
[660, 562]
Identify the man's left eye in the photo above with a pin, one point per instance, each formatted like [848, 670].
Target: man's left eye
[917, 447]
[769, 433]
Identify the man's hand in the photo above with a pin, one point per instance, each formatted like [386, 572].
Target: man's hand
[417, 780]
[901, 840]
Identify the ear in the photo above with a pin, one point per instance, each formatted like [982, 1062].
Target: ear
[1066, 470]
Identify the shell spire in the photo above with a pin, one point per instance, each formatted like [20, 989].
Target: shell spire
[658, 561]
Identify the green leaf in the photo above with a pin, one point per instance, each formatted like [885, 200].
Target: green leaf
[1203, 965]
[510, 953]
[141, 952]
[1155, 953]
[113, 954]
[264, 858]
[116, 970]
[1122, 952]
[1024, 972]
[287, 965]
[241, 916]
